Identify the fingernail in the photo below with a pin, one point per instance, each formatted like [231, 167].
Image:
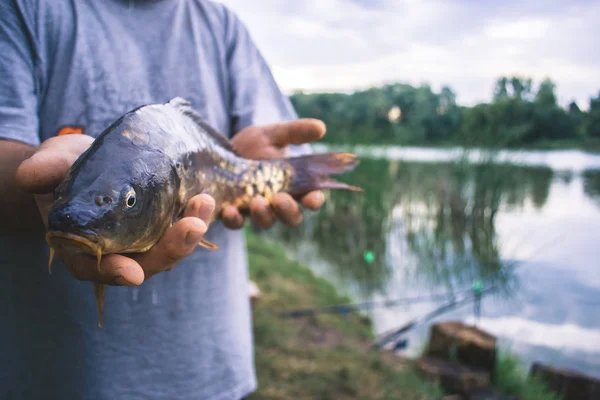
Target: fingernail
[192, 238]
[263, 206]
[320, 196]
[119, 280]
[205, 191]
[285, 205]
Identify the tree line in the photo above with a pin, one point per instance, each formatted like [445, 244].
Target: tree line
[517, 116]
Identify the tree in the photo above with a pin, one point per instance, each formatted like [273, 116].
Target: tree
[574, 109]
[501, 89]
[592, 125]
[521, 87]
[545, 95]
[516, 117]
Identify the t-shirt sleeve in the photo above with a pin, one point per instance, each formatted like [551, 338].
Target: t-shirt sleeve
[256, 99]
[18, 94]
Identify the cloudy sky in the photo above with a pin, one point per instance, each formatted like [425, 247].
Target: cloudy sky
[341, 45]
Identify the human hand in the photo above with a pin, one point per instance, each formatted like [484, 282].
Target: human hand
[43, 172]
[270, 142]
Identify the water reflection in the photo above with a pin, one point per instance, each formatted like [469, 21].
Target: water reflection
[352, 224]
[453, 235]
[444, 213]
[591, 184]
[437, 227]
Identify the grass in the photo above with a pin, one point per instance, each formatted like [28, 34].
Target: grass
[327, 356]
[512, 379]
[321, 357]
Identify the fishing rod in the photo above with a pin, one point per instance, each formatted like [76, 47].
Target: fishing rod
[476, 294]
[370, 305]
[367, 305]
[393, 336]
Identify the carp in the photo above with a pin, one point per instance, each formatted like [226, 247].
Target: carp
[134, 181]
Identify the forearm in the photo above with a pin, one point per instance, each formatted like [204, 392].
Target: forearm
[18, 210]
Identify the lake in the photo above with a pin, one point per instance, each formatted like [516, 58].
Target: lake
[437, 222]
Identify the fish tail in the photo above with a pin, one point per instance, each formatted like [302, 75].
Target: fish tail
[311, 172]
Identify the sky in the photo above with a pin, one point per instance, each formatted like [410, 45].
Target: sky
[345, 45]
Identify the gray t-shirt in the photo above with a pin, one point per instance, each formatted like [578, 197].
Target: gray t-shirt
[70, 66]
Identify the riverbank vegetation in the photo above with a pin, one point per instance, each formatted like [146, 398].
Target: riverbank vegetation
[519, 116]
[328, 356]
[512, 380]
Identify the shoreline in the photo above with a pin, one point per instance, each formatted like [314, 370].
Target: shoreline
[329, 356]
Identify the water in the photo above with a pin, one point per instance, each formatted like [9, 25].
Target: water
[527, 223]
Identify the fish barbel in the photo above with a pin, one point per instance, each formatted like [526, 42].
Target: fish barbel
[136, 178]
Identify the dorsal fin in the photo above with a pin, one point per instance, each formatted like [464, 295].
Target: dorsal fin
[185, 107]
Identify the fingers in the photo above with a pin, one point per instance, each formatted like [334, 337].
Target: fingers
[286, 209]
[178, 242]
[45, 169]
[232, 218]
[300, 131]
[283, 208]
[200, 206]
[261, 213]
[313, 200]
[114, 269]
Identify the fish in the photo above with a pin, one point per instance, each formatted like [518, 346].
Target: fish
[135, 179]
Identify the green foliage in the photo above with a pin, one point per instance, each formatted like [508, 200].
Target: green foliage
[592, 125]
[405, 115]
[369, 115]
[511, 379]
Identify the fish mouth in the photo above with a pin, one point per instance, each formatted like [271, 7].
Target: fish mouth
[73, 243]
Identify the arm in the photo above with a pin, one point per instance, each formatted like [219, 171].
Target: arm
[18, 121]
[18, 211]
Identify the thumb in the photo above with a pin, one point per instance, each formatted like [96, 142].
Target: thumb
[42, 172]
[297, 132]
[47, 167]
[179, 241]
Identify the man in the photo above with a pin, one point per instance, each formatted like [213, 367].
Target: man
[68, 68]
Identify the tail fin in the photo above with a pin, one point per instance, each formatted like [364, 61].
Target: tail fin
[312, 172]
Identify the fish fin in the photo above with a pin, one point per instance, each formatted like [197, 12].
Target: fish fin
[207, 244]
[98, 258]
[99, 291]
[185, 107]
[311, 172]
[50, 260]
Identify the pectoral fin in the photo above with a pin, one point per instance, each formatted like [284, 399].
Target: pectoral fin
[207, 245]
[50, 260]
[99, 291]
[98, 258]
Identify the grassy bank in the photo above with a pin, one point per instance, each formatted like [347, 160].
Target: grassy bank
[511, 379]
[325, 357]
[328, 356]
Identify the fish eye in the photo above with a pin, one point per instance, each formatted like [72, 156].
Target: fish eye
[129, 199]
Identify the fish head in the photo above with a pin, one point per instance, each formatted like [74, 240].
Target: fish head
[117, 198]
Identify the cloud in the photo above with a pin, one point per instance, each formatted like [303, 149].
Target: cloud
[337, 45]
